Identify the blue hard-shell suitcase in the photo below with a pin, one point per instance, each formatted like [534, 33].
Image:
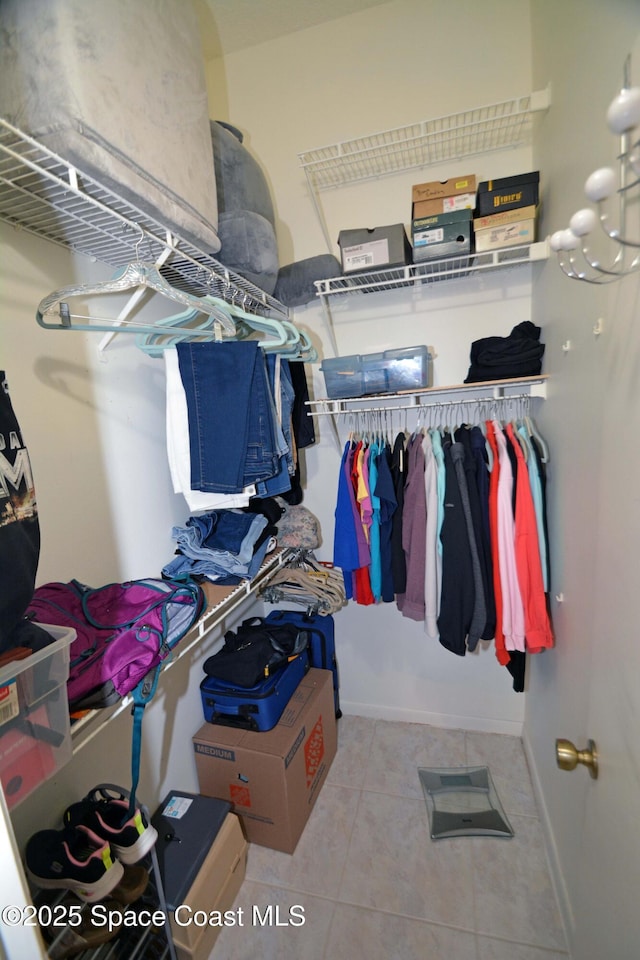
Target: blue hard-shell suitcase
[321, 644]
[252, 708]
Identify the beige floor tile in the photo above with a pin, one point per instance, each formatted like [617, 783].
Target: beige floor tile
[508, 767]
[503, 754]
[489, 949]
[394, 866]
[359, 934]
[514, 896]
[349, 767]
[317, 863]
[254, 940]
[398, 749]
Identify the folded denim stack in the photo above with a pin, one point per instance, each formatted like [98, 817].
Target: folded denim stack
[223, 546]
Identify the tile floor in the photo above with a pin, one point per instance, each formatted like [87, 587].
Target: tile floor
[372, 883]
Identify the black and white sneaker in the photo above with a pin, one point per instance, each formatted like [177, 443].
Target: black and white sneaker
[131, 837]
[74, 859]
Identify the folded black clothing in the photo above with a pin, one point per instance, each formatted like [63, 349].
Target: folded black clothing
[500, 358]
[267, 506]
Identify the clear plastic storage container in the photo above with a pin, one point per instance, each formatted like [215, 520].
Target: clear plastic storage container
[406, 368]
[35, 735]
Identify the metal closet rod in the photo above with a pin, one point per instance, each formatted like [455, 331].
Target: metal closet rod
[414, 406]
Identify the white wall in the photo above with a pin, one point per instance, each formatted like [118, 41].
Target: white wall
[580, 47]
[394, 64]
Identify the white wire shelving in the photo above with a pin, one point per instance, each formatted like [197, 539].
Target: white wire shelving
[42, 193]
[492, 127]
[430, 271]
[222, 602]
[496, 126]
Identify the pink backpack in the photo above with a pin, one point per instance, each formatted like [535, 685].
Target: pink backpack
[124, 632]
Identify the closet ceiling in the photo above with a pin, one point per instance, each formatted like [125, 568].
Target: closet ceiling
[231, 25]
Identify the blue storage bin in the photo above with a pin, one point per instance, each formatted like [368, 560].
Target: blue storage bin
[406, 368]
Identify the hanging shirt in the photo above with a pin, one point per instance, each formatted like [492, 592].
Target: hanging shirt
[364, 490]
[538, 635]
[536, 492]
[479, 615]
[399, 473]
[479, 455]
[512, 608]
[502, 653]
[361, 580]
[414, 525]
[542, 472]
[433, 558]
[374, 529]
[436, 442]
[387, 499]
[345, 544]
[456, 602]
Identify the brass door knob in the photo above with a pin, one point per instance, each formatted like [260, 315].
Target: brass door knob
[568, 757]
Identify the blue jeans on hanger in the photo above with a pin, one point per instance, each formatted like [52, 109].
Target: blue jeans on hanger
[281, 482]
[232, 440]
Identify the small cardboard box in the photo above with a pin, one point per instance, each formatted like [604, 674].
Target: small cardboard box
[505, 235]
[273, 779]
[212, 893]
[436, 189]
[507, 216]
[443, 206]
[494, 196]
[442, 236]
[374, 248]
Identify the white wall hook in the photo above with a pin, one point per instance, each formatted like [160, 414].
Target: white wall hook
[560, 597]
[598, 327]
[566, 346]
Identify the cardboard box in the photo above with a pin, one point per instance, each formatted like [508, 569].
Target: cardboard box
[494, 196]
[443, 205]
[446, 237]
[374, 248]
[273, 779]
[507, 216]
[505, 235]
[437, 220]
[213, 891]
[437, 189]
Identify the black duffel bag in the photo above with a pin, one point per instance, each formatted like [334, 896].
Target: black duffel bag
[255, 651]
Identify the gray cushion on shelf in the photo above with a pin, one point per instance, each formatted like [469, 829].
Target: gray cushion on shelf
[118, 89]
[247, 225]
[249, 247]
[295, 284]
[247, 220]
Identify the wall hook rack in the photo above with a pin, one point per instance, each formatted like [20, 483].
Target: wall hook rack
[575, 256]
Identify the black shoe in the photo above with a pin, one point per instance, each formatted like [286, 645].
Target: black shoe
[131, 838]
[74, 859]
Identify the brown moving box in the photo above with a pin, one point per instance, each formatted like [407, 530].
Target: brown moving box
[273, 778]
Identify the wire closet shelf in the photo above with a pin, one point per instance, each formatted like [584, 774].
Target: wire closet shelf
[42, 193]
[496, 126]
[430, 271]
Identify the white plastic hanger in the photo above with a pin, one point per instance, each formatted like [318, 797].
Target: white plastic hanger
[533, 432]
[53, 311]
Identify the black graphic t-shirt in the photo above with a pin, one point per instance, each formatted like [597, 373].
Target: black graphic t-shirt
[19, 527]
